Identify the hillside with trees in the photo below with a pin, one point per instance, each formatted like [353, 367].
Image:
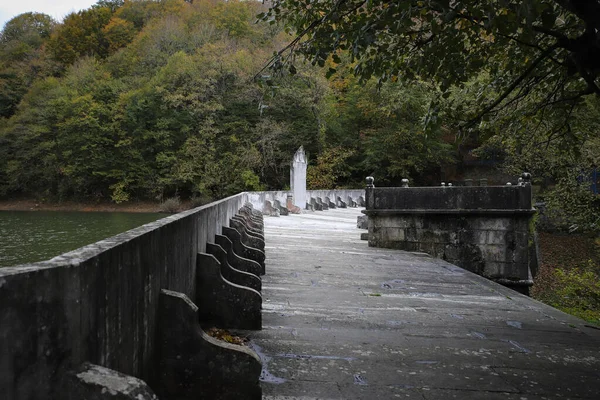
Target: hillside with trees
[144, 99]
[135, 100]
[150, 99]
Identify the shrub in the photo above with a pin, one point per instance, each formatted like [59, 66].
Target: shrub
[575, 291]
[171, 205]
[199, 200]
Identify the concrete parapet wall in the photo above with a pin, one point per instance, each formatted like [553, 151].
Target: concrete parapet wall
[451, 198]
[99, 304]
[485, 230]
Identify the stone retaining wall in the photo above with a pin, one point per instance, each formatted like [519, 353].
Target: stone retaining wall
[486, 230]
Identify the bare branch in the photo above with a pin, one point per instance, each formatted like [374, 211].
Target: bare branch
[513, 86]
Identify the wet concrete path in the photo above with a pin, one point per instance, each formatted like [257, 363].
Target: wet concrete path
[342, 320]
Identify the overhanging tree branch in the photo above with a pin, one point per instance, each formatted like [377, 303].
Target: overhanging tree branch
[513, 86]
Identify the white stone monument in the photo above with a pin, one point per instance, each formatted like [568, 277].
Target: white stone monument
[298, 178]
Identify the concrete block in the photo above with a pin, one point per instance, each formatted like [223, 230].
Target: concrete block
[242, 249]
[360, 201]
[251, 221]
[223, 303]
[362, 222]
[498, 237]
[236, 261]
[351, 202]
[193, 365]
[250, 227]
[249, 238]
[330, 203]
[451, 252]
[473, 236]
[506, 271]
[393, 234]
[293, 209]
[282, 210]
[268, 209]
[315, 205]
[340, 203]
[496, 253]
[324, 205]
[230, 273]
[433, 236]
[93, 382]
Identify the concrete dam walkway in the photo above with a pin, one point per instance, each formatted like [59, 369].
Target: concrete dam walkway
[342, 320]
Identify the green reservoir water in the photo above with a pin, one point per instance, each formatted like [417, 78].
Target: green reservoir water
[29, 236]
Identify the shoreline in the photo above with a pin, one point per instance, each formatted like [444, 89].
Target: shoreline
[32, 205]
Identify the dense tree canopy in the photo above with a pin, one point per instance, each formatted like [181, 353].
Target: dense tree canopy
[545, 50]
[149, 99]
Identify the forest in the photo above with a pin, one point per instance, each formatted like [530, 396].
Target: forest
[145, 99]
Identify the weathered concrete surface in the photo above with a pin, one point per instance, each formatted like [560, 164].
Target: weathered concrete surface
[342, 320]
[195, 366]
[93, 382]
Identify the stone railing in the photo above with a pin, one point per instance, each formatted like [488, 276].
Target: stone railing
[317, 200]
[484, 229]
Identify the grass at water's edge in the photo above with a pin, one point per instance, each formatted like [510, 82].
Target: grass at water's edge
[34, 205]
[569, 275]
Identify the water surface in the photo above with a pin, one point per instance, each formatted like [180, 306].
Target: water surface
[30, 236]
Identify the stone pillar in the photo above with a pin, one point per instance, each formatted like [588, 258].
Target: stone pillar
[298, 178]
[369, 197]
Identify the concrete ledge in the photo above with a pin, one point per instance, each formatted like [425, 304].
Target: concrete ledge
[230, 273]
[193, 365]
[93, 382]
[236, 261]
[223, 303]
[494, 212]
[242, 249]
[451, 198]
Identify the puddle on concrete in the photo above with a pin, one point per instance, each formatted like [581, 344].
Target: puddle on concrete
[518, 346]
[360, 380]
[398, 323]
[265, 375]
[478, 335]
[312, 357]
[426, 295]
[514, 324]
[394, 284]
